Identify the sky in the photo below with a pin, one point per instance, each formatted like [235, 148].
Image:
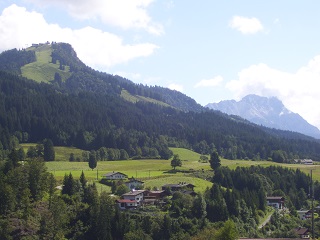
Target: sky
[209, 50]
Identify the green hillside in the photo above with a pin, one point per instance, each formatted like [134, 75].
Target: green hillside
[43, 70]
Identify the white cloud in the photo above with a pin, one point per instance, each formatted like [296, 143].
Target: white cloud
[300, 91]
[246, 25]
[209, 82]
[126, 14]
[19, 28]
[174, 86]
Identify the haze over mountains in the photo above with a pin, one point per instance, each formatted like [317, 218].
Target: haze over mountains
[269, 112]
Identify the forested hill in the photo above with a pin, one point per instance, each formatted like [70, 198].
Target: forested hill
[57, 63]
[89, 109]
[31, 112]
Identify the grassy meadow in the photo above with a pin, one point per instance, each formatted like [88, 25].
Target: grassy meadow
[43, 70]
[153, 172]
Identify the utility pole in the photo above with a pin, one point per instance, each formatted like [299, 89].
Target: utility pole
[312, 205]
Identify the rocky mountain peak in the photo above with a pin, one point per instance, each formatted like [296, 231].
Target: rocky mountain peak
[269, 112]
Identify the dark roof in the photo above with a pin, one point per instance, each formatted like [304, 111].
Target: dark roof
[275, 198]
[133, 193]
[134, 180]
[179, 185]
[113, 173]
[301, 231]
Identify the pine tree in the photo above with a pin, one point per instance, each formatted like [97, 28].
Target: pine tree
[215, 161]
[92, 160]
[48, 150]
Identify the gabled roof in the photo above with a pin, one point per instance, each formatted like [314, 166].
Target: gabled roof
[301, 231]
[133, 193]
[109, 174]
[179, 185]
[134, 180]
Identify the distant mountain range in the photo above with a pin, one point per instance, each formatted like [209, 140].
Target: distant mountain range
[269, 112]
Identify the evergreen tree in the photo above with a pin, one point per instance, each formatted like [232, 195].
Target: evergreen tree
[215, 162]
[48, 150]
[92, 160]
[14, 157]
[83, 180]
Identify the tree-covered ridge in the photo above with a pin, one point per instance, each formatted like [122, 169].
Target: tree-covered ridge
[12, 60]
[90, 121]
[83, 78]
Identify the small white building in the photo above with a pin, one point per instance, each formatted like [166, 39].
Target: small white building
[304, 214]
[276, 202]
[136, 195]
[133, 183]
[115, 176]
[126, 204]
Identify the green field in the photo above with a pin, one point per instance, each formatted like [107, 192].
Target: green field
[154, 173]
[43, 69]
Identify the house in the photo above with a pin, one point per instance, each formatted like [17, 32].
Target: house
[276, 202]
[307, 161]
[135, 195]
[155, 194]
[302, 232]
[115, 176]
[304, 214]
[126, 204]
[178, 187]
[133, 183]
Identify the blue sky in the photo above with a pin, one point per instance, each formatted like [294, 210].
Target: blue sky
[209, 50]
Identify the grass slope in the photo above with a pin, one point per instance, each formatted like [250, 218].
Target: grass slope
[43, 69]
[136, 98]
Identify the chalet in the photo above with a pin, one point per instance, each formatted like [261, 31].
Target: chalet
[115, 176]
[276, 202]
[302, 232]
[136, 195]
[155, 194]
[126, 204]
[133, 183]
[304, 214]
[178, 187]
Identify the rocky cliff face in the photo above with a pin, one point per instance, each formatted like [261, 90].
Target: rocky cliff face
[269, 112]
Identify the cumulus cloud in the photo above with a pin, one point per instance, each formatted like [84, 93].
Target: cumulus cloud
[20, 28]
[126, 14]
[209, 82]
[174, 86]
[246, 25]
[298, 91]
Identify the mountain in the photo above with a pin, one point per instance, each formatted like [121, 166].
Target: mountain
[47, 92]
[269, 112]
[57, 63]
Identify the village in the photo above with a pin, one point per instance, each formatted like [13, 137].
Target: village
[139, 198]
